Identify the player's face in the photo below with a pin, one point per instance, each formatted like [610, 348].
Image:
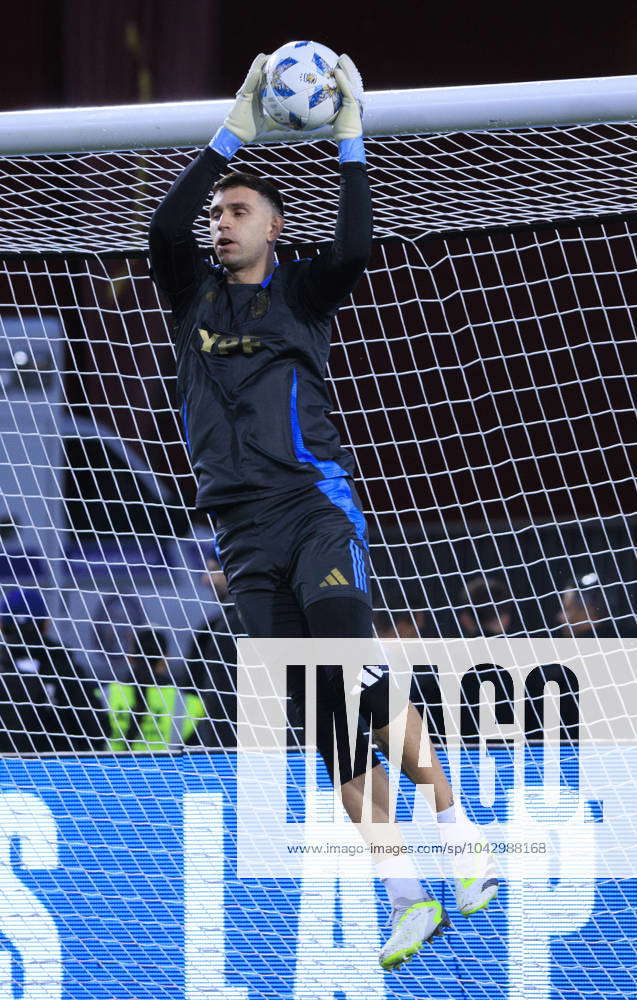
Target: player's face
[244, 227]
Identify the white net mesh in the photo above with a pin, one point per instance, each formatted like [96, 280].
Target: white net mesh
[102, 202]
[483, 376]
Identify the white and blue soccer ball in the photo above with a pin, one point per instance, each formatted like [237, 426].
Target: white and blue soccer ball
[300, 90]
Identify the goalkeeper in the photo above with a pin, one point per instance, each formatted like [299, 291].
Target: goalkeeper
[252, 341]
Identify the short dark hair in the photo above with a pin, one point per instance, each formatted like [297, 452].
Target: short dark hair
[242, 178]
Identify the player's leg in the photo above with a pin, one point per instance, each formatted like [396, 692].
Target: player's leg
[474, 893]
[330, 574]
[340, 617]
[431, 775]
[271, 614]
[416, 916]
[347, 617]
[327, 543]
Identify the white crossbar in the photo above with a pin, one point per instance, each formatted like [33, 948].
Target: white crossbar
[387, 112]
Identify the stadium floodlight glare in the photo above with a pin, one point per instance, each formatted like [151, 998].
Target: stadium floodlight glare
[483, 375]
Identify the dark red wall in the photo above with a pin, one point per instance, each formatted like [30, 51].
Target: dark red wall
[67, 52]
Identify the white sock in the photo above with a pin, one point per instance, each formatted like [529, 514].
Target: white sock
[403, 892]
[447, 815]
[400, 879]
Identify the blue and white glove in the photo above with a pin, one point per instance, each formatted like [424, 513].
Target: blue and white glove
[348, 124]
[246, 121]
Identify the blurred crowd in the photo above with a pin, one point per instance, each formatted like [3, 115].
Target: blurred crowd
[154, 702]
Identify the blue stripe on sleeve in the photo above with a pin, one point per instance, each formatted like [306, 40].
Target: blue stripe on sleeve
[225, 142]
[351, 150]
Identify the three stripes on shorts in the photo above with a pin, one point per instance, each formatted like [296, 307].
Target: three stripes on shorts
[358, 565]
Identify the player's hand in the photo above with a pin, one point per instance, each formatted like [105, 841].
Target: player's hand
[348, 123]
[246, 119]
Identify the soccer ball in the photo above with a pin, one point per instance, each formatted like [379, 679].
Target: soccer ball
[300, 91]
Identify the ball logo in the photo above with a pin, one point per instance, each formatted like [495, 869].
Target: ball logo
[299, 89]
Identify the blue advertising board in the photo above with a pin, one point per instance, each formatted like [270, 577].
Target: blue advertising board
[118, 880]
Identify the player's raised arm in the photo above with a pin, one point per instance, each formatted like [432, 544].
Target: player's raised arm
[335, 272]
[176, 259]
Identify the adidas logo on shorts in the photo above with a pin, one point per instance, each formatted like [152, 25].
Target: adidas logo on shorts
[335, 579]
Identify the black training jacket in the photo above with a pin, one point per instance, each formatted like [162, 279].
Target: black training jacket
[251, 359]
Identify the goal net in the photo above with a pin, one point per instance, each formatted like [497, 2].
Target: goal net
[482, 374]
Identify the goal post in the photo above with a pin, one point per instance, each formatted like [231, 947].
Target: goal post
[483, 374]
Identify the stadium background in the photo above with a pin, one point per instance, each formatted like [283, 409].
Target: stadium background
[66, 52]
[72, 53]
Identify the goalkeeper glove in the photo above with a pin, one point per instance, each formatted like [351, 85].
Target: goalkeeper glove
[246, 121]
[348, 124]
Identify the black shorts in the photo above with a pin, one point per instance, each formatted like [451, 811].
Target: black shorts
[314, 542]
[283, 555]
